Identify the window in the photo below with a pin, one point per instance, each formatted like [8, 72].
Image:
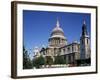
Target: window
[82, 41]
[87, 41]
[72, 47]
[64, 50]
[68, 49]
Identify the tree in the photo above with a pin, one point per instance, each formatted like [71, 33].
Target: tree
[49, 60]
[38, 61]
[27, 63]
[59, 60]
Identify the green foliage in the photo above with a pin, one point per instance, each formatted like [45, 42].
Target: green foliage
[59, 60]
[27, 63]
[38, 61]
[49, 60]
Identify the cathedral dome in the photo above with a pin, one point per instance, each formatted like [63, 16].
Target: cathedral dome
[57, 38]
[57, 31]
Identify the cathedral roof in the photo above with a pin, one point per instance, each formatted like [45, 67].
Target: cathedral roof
[57, 31]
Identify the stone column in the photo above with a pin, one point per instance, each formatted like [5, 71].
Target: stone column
[66, 59]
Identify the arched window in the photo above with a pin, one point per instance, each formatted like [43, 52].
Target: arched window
[87, 41]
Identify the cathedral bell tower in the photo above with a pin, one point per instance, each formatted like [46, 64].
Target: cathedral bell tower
[84, 43]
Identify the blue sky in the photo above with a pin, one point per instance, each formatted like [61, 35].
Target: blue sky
[38, 25]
